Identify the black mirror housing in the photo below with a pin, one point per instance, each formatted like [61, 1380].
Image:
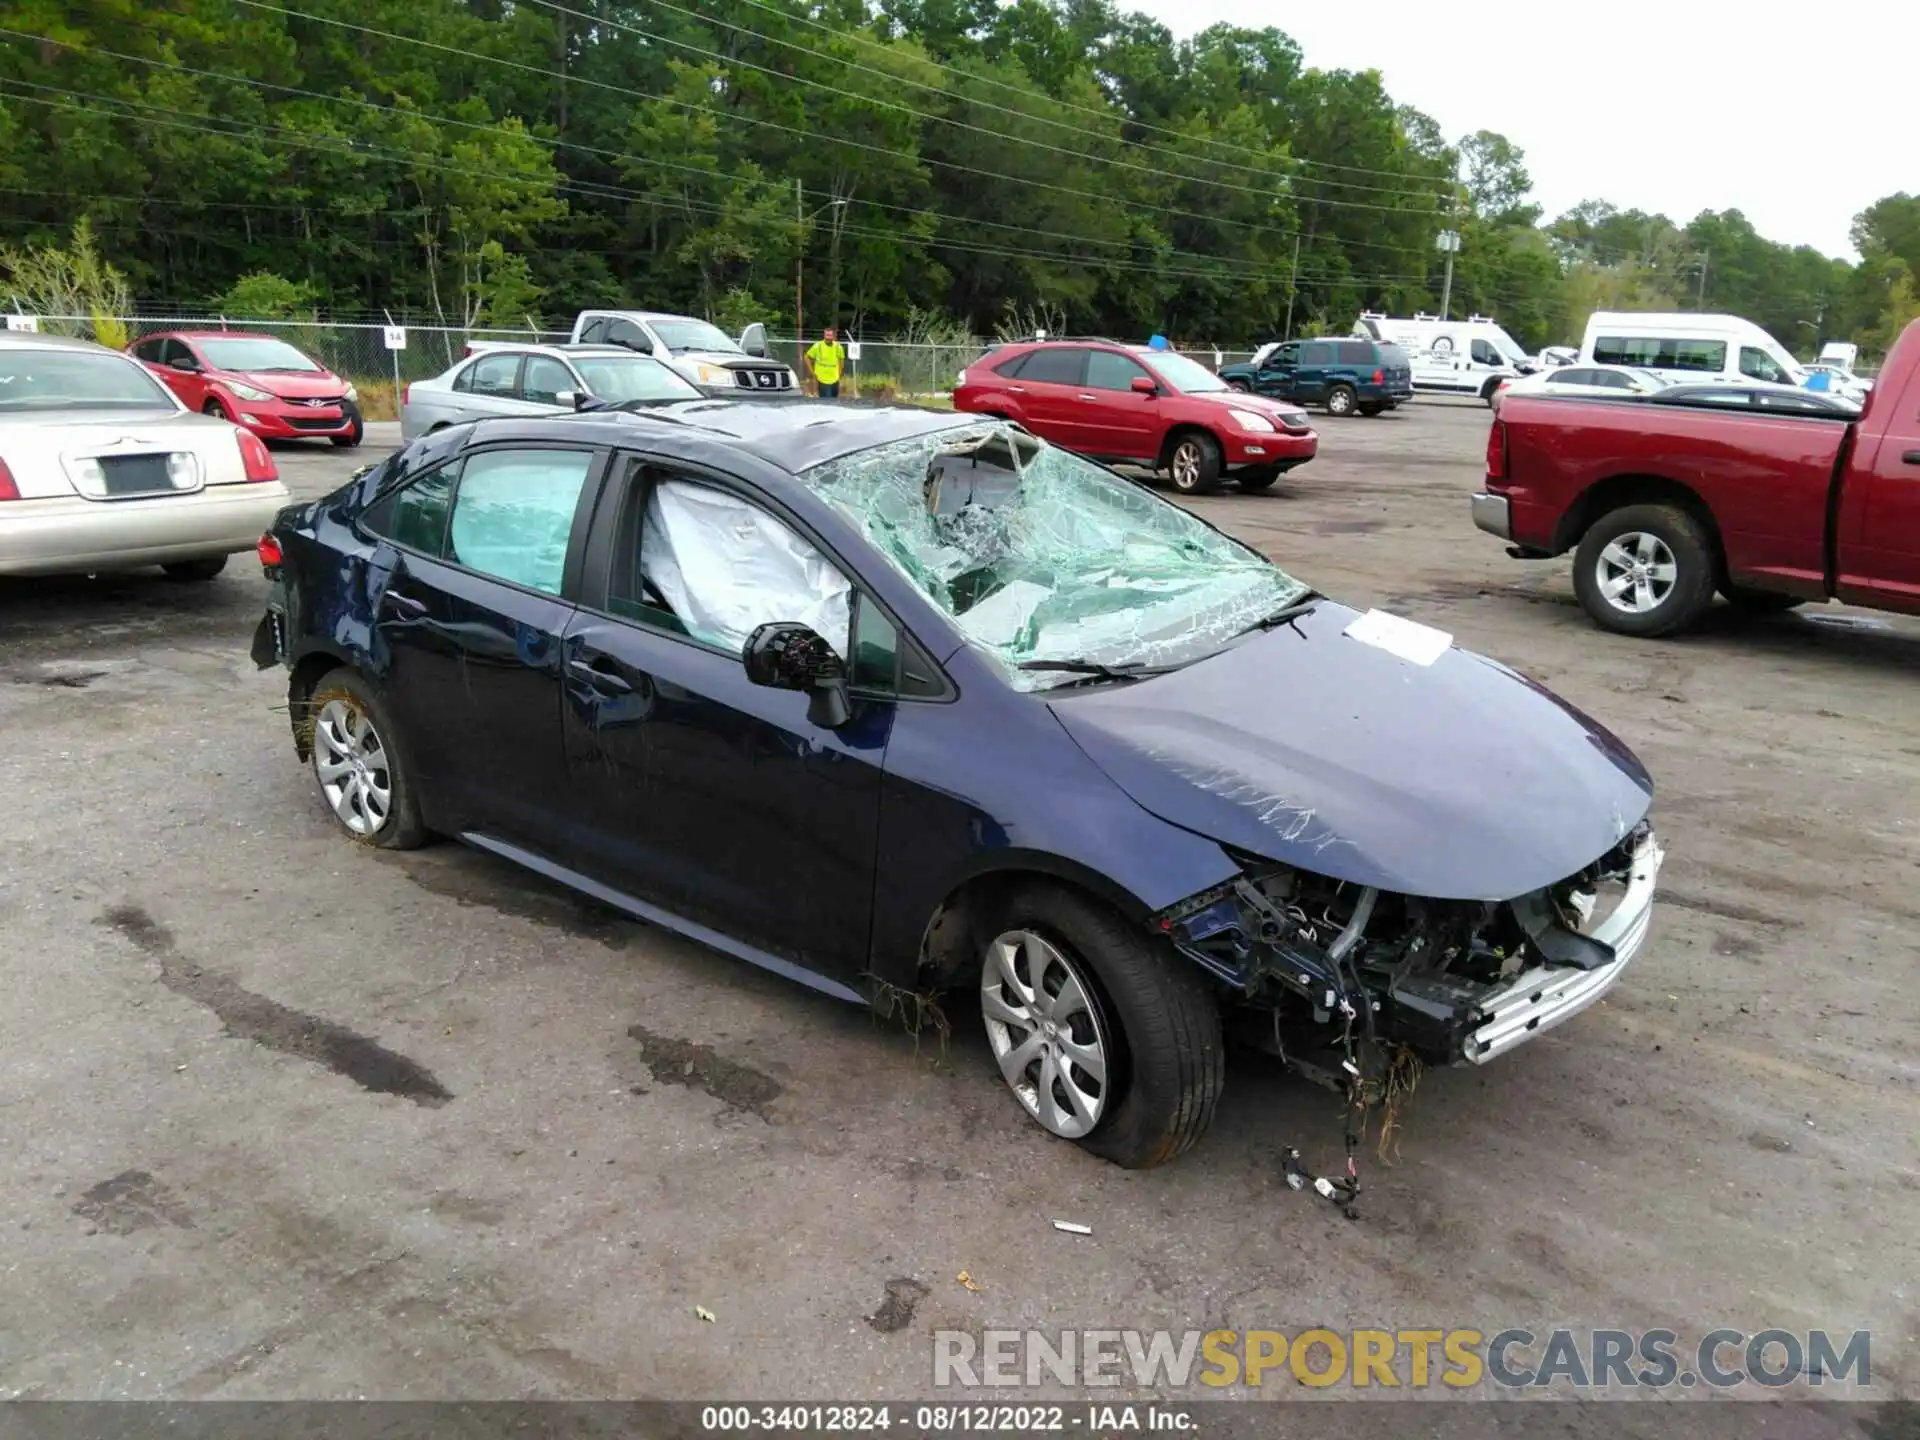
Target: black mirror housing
[785, 655]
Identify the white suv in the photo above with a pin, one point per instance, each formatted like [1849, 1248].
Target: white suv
[695, 349]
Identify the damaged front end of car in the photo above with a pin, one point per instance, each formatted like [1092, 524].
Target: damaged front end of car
[1335, 977]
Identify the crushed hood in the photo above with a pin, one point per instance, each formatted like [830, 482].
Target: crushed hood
[1458, 780]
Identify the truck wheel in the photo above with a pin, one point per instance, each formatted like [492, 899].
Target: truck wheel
[1242, 386]
[1490, 389]
[1759, 602]
[1195, 463]
[1644, 570]
[1104, 1035]
[1371, 409]
[1340, 400]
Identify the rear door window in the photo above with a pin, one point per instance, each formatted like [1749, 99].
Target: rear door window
[1108, 370]
[1057, 365]
[1354, 352]
[495, 375]
[1316, 352]
[513, 514]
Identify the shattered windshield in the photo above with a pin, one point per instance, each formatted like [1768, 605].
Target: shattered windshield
[1039, 555]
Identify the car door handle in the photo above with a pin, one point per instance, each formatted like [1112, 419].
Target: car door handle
[1912, 457]
[600, 679]
[1086, 396]
[1016, 389]
[405, 604]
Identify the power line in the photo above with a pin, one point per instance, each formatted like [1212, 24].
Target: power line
[602, 21]
[806, 135]
[855, 37]
[409, 112]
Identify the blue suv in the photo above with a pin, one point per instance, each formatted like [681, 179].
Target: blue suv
[1345, 375]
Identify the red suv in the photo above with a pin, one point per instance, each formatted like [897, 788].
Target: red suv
[1141, 406]
[259, 382]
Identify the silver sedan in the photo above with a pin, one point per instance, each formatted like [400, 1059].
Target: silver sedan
[102, 468]
[508, 380]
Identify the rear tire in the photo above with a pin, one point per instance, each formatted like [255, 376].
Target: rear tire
[1149, 1017]
[195, 570]
[1341, 400]
[1645, 570]
[1371, 410]
[1253, 481]
[1194, 463]
[1760, 602]
[353, 750]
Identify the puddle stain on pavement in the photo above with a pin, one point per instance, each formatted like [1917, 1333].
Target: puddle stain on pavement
[248, 1016]
[673, 1061]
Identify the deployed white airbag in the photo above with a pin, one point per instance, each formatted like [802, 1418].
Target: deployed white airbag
[727, 567]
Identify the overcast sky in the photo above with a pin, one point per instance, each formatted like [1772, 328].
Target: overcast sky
[1798, 115]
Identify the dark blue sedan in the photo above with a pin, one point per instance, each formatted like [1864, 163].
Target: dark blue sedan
[901, 703]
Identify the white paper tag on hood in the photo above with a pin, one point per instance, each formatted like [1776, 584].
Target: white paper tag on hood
[1409, 639]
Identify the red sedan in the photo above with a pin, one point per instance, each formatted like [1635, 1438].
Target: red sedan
[1137, 405]
[259, 382]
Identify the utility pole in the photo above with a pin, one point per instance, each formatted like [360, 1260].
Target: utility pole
[1293, 285]
[1705, 256]
[1449, 241]
[799, 258]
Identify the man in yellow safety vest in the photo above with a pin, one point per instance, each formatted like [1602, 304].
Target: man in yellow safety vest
[824, 360]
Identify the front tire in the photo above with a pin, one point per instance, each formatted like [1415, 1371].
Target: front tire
[217, 410]
[195, 570]
[1195, 464]
[1645, 570]
[353, 437]
[1341, 400]
[1106, 1037]
[1242, 386]
[361, 775]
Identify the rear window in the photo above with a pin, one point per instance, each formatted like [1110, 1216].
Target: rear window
[1353, 352]
[1655, 353]
[1392, 356]
[60, 379]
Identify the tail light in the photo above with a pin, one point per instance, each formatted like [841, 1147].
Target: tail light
[256, 457]
[269, 552]
[406, 393]
[1379, 377]
[1497, 451]
[8, 490]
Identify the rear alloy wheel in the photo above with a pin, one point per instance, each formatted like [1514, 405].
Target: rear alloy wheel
[1644, 570]
[202, 569]
[361, 777]
[1104, 1035]
[1341, 400]
[1195, 464]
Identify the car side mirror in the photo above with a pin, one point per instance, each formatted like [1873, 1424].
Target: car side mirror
[785, 655]
[569, 399]
[1143, 386]
[753, 340]
[187, 363]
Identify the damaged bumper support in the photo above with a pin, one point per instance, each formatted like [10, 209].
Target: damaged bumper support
[1328, 972]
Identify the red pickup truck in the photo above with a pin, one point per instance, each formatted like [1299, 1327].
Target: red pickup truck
[1663, 504]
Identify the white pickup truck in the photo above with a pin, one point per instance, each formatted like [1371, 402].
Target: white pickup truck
[695, 349]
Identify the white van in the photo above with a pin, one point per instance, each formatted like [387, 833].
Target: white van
[1456, 357]
[1701, 349]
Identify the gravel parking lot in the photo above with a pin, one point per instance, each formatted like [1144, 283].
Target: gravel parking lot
[288, 1117]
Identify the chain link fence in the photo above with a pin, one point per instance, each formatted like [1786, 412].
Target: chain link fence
[883, 370]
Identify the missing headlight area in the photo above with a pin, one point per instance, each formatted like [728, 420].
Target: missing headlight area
[1335, 977]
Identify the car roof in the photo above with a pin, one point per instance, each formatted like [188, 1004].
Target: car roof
[30, 339]
[212, 335]
[791, 435]
[537, 347]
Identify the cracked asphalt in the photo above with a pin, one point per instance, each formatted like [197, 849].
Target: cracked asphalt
[285, 1117]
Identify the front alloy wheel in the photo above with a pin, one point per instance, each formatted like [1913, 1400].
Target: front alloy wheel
[351, 762]
[1045, 1032]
